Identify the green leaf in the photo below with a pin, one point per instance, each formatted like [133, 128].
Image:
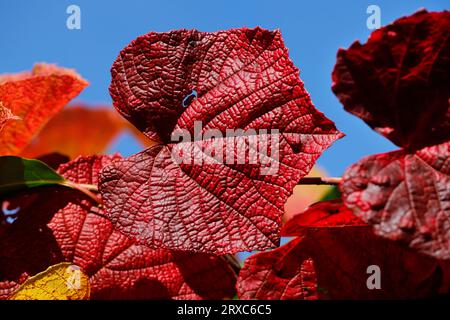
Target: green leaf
[18, 173]
[333, 193]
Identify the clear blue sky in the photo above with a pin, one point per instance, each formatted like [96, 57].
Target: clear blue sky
[35, 30]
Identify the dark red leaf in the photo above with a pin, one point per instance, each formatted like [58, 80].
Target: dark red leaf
[340, 254]
[399, 81]
[243, 78]
[56, 225]
[54, 159]
[284, 273]
[405, 196]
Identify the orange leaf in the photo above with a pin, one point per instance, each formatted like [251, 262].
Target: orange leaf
[34, 97]
[77, 130]
[5, 115]
[67, 132]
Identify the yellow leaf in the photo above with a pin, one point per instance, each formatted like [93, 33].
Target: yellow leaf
[63, 281]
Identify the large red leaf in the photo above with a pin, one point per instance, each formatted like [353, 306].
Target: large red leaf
[56, 225]
[337, 249]
[34, 97]
[405, 196]
[243, 79]
[399, 81]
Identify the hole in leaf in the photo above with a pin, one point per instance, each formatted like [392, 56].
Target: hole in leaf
[189, 98]
[10, 214]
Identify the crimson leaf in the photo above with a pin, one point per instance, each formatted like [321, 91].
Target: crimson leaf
[399, 81]
[243, 78]
[405, 196]
[286, 273]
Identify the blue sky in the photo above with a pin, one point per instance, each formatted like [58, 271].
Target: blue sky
[33, 31]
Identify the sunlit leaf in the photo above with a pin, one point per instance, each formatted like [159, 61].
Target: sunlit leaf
[63, 281]
[34, 97]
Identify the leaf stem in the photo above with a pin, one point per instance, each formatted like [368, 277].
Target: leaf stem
[90, 187]
[85, 189]
[320, 180]
[232, 263]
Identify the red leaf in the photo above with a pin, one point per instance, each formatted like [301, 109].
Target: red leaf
[340, 254]
[399, 81]
[285, 273]
[54, 160]
[34, 97]
[73, 230]
[325, 214]
[405, 196]
[243, 79]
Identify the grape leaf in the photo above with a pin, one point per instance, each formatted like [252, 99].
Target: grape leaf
[339, 248]
[399, 81]
[63, 281]
[62, 225]
[34, 97]
[165, 83]
[404, 196]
